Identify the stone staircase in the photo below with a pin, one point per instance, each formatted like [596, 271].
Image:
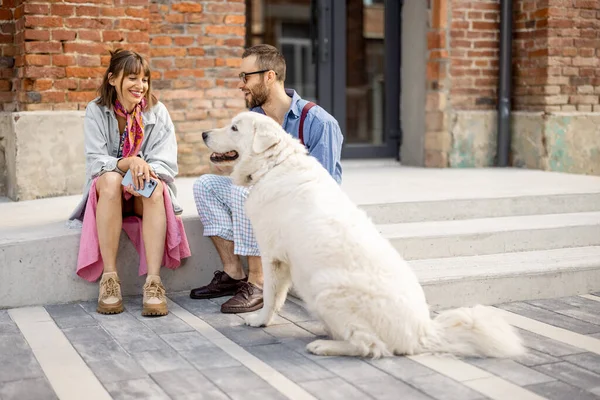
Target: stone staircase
[473, 236]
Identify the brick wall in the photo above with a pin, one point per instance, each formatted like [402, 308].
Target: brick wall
[60, 51]
[7, 52]
[557, 55]
[556, 61]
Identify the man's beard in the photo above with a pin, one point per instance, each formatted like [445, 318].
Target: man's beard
[258, 96]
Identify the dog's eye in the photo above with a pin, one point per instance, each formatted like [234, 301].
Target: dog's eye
[234, 128]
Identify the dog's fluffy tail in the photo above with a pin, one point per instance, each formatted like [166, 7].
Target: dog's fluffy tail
[477, 331]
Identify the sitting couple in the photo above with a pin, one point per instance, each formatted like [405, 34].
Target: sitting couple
[127, 129]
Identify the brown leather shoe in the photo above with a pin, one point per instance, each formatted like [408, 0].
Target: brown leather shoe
[221, 285]
[248, 298]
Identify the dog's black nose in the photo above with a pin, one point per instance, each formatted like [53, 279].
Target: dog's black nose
[205, 134]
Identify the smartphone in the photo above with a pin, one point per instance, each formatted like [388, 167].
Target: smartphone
[148, 188]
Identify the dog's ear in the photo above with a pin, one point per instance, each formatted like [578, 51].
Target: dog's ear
[264, 137]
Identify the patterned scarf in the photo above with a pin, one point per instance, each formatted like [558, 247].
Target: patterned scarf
[134, 127]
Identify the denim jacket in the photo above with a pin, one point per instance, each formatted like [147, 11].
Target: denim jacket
[101, 138]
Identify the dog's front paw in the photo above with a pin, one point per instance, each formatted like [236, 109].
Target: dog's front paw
[319, 347]
[256, 320]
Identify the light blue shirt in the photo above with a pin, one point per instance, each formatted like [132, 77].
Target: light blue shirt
[322, 134]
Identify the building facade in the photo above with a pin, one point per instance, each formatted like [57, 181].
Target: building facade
[415, 79]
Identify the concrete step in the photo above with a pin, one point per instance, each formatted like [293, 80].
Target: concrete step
[481, 207]
[500, 278]
[438, 239]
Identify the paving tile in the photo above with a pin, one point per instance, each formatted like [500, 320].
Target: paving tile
[235, 379]
[315, 327]
[70, 315]
[334, 389]
[188, 384]
[547, 345]
[4, 317]
[291, 364]
[209, 358]
[389, 388]
[441, 387]
[193, 305]
[246, 336]
[560, 391]
[288, 331]
[299, 346]
[401, 367]
[572, 375]
[27, 389]
[258, 394]
[187, 341]
[8, 328]
[117, 367]
[567, 303]
[136, 389]
[533, 357]
[552, 318]
[12, 345]
[167, 359]
[352, 369]
[93, 343]
[510, 371]
[130, 333]
[589, 361]
[295, 313]
[21, 366]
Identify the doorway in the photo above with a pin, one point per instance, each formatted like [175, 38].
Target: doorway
[345, 56]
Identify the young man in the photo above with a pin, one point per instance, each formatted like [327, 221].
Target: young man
[221, 204]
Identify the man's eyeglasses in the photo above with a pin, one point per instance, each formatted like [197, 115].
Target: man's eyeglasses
[243, 75]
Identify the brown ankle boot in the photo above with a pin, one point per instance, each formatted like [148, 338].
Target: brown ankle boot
[109, 299]
[155, 300]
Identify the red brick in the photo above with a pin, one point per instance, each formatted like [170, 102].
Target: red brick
[228, 7]
[167, 52]
[62, 10]
[112, 11]
[88, 61]
[112, 36]
[89, 84]
[137, 12]
[161, 41]
[81, 96]
[241, 19]
[88, 11]
[32, 21]
[93, 36]
[187, 7]
[6, 15]
[63, 35]
[86, 48]
[53, 97]
[43, 72]
[61, 60]
[36, 59]
[89, 23]
[43, 47]
[184, 40]
[131, 24]
[484, 25]
[41, 35]
[29, 8]
[84, 72]
[138, 37]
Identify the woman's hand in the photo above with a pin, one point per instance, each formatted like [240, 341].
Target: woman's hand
[129, 189]
[140, 172]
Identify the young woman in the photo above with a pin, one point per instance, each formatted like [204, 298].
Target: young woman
[127, 129]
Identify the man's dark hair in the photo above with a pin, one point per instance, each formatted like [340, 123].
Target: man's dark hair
[268, 58]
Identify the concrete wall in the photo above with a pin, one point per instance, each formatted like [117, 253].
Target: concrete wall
[4, 129]
[561, 141]
[414, 49]
[44, 153]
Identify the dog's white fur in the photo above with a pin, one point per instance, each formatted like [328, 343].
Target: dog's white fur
[352, 279]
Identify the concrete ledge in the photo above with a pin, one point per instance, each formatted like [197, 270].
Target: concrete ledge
[44, 153]
[502, 278]
[41, 270]
[555, 141]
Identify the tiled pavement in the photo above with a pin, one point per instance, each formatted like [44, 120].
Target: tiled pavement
[71, 352]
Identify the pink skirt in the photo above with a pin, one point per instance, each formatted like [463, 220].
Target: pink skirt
[89, 262]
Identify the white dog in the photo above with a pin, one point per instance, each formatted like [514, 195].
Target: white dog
[351, 278]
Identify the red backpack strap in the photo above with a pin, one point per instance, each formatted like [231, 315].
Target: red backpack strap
[307, 107]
